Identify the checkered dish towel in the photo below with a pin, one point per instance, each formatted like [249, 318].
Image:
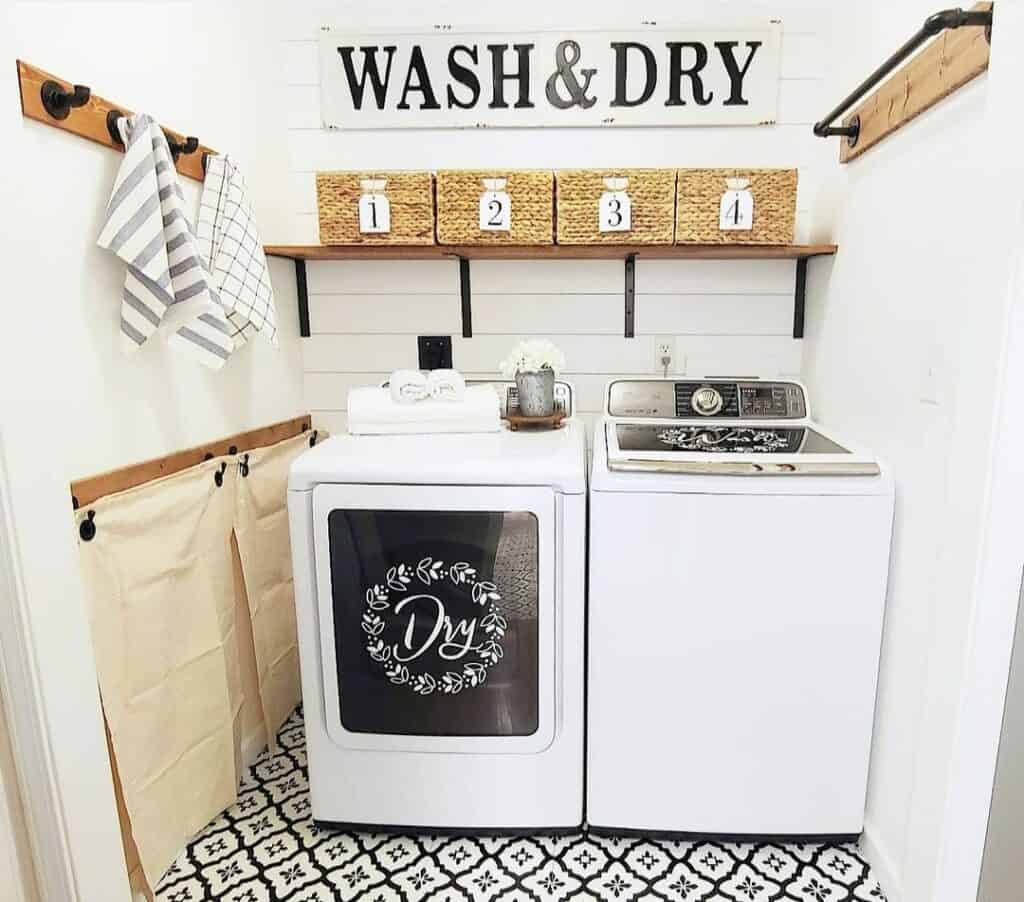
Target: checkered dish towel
[233, 252]
[147, 226]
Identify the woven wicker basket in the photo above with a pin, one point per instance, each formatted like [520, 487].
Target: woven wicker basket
[699, 193]
[652, 196]
[458, 206]
[411, 195]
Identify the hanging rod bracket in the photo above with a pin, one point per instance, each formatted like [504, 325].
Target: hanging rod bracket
[935, 24]
[58, 102]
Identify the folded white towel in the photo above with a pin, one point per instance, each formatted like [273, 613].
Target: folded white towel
[407, 386]
[372, 411]
[446, 385]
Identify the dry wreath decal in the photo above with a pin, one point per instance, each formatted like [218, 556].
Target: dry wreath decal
[403, 607]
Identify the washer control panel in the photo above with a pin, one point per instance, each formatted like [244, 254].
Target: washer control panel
[747, 399]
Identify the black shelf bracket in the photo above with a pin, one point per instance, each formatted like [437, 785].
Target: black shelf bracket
[630, 296]
[302, 295]
[466, 293]
[799, 299]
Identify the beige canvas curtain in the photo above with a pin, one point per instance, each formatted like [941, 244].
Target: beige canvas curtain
[264, 550]
[193, 626]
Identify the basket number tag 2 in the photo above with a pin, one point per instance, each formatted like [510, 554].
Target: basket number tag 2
[615, 211]
[495, 207]
[374, 208]
[736, 211]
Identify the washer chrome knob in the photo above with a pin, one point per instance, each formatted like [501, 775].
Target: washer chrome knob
[707, 401]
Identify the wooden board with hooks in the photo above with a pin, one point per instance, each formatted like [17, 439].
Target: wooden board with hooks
[86, 491]
[86, 116]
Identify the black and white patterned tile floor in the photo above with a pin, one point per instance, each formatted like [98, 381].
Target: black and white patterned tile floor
[267, 849]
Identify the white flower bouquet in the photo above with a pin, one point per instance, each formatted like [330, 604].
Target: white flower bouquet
[533, 356]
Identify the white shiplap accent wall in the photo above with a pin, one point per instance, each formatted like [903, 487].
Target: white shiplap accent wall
[726, 317]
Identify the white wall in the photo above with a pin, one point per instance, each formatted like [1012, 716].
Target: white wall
[904, 349]
[726, 318]
[70, 403]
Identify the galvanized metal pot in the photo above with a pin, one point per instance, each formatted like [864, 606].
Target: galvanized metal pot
[536, 392]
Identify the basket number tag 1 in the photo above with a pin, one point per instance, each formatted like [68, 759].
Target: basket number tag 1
[495, 207]
[615, 212]
[736, 211]
[374, 208]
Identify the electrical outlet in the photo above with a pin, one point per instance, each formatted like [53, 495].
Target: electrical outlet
[435, 352]
[664, 355]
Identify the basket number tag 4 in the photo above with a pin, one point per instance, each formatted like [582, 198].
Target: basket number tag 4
[495, 207]
[374, 208]
[615, 211]
[736, 211]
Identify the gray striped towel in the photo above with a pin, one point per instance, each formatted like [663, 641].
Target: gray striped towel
[147, 226]
[231, 248]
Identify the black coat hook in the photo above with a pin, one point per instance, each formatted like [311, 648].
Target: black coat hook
[313, 437]
[87, 528]
[58, 102]
[113, 118]
[243, 467]
[189, 145]
[218, 477]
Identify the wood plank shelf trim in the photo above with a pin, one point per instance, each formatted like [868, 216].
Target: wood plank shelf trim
[312, 252]
[86, 491]
[90, 120]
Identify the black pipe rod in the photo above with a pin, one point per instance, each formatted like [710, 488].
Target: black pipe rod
[933, 25]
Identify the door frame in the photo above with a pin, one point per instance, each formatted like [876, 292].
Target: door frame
[26, 719]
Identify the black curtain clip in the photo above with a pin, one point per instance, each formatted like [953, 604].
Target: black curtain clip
[189, 145]
[87, 528]
[58, 102]
[218, 477]
[243, 467]
[313, 437]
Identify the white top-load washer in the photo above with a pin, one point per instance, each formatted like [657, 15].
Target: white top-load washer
[738, 563]
[439, 585]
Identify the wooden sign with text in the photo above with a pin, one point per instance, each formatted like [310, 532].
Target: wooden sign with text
[647, 76]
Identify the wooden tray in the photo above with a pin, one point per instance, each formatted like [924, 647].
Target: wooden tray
[554, 421]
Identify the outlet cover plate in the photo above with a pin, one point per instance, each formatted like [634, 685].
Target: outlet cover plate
[435, 352]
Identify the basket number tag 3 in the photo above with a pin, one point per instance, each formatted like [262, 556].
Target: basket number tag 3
[736, 211]
[616, 212]
[495, 207]
[374, 214]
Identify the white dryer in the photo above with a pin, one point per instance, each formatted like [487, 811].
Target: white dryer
[738, 563]
[439, 586]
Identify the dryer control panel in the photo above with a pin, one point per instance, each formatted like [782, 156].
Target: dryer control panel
[747, 399]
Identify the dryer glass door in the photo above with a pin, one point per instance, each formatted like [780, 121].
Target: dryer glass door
[436, 608]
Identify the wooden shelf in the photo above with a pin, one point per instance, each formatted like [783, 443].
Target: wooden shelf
[550, 252]
[627, 253]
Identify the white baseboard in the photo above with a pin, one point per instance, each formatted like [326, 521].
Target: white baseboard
[882, 865]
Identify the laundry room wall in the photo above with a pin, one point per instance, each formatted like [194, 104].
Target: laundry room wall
[71, 404]
[727, 318]
[904, 353]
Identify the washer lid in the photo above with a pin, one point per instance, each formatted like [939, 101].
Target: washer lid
[549, 458]
[670, 456]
